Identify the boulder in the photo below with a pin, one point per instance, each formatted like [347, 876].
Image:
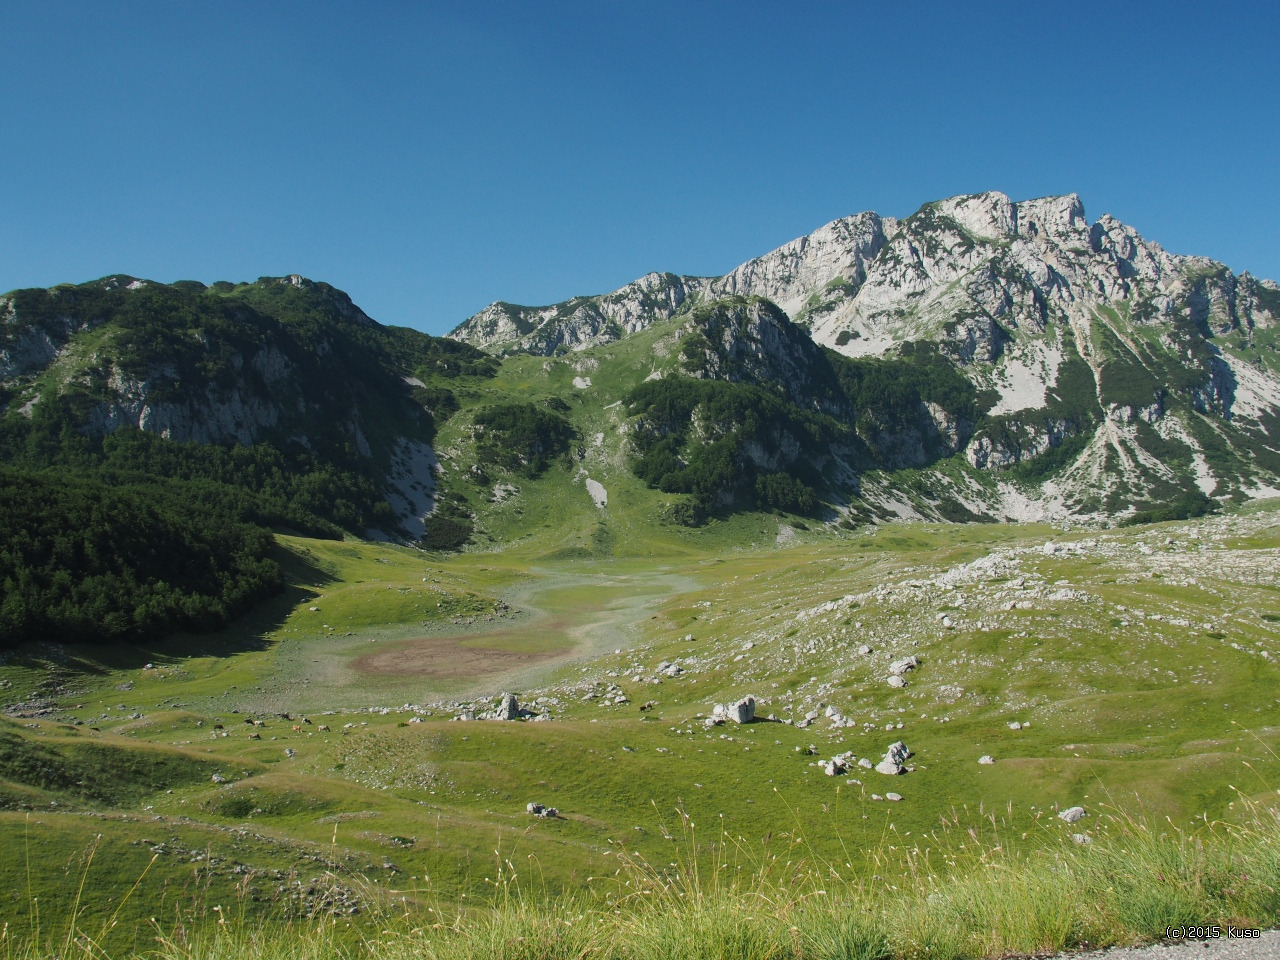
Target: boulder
[899, 667]
[744, 711]
[986, 760]
[896, 682]
[1072, 814]
[898, 752]
[509, 709]
[889, 768]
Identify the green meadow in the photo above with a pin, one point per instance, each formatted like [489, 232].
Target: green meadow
[305, 766]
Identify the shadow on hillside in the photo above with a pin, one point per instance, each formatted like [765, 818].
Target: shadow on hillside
[303, 580]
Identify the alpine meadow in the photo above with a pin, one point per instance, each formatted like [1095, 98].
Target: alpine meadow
[911, 590]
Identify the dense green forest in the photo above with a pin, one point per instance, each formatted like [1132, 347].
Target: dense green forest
[693, 436]
[523, 437]
[85, 562]
[696, 436]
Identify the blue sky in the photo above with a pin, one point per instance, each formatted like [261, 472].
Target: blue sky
[429, 158]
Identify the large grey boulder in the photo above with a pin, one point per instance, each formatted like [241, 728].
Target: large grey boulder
[744, 711]
[510, 707]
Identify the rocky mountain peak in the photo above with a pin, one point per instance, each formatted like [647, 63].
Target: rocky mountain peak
[1084, 337]
[1056, 217]
[990, 216]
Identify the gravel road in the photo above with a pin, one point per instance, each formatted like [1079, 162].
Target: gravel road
[1265, 947]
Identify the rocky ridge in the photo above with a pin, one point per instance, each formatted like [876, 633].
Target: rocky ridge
[1144, 373]
[285, 362]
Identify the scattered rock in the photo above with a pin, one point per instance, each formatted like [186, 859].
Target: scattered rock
[1072, 814]
[889, 768]
[986, 759]
[1015, 725]
[899, 667]
[838, 764]
[895, 797]
[896, 682]
[509, 709]
[1081, 838]
[744, 711]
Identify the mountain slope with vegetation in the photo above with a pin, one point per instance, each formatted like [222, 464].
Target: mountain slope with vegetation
[377, 533]
[980, 360]
[152, 432]
[1111, 376]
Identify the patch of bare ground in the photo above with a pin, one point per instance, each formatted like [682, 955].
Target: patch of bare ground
[454, 658]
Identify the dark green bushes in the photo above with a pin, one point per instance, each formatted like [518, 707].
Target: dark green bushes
[705, 437]
[1188, 504]
[85, 563]
[522, 437]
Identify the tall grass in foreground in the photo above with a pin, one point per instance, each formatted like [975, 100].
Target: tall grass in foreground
[960, 892]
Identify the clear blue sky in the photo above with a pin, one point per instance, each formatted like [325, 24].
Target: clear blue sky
[431, 157]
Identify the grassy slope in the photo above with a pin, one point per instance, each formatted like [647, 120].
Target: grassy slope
[422, 807]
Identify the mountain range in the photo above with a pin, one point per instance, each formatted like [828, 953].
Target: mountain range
[1111, 371]
[979, 360]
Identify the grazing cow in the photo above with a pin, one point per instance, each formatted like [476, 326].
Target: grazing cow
[323, 728]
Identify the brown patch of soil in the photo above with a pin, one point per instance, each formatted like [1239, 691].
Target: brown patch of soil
[447, 658]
